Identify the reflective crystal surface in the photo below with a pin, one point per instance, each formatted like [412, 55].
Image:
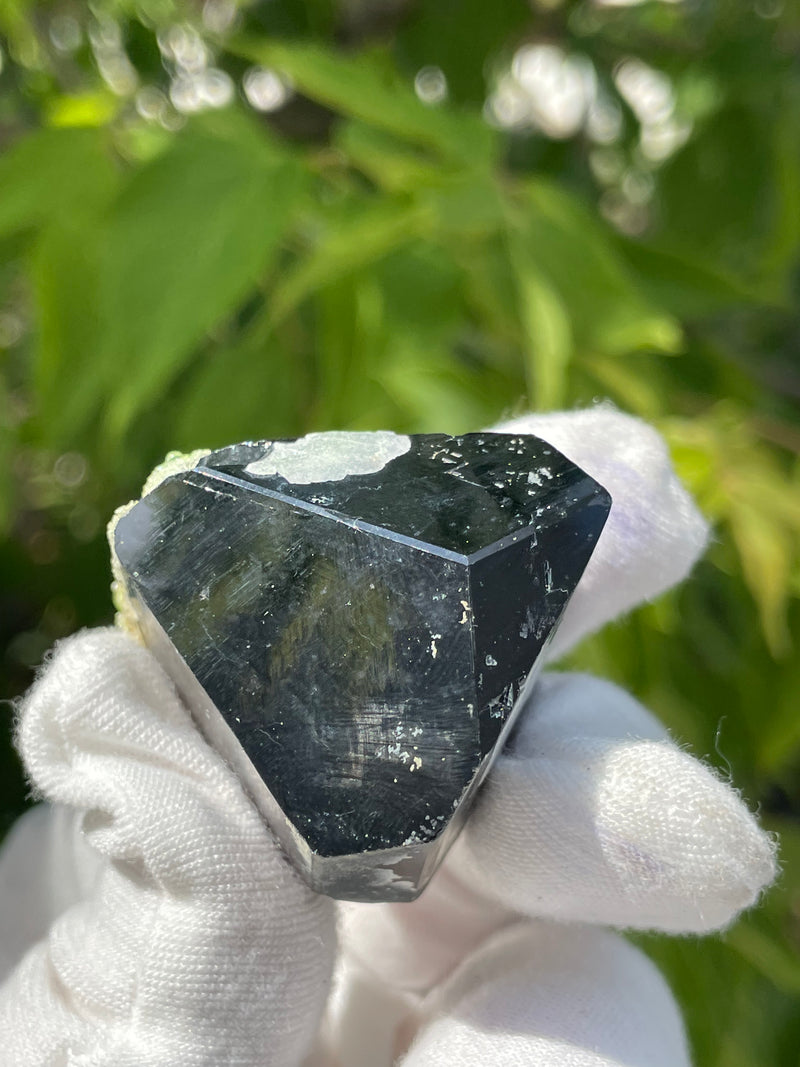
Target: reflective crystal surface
[352, 619]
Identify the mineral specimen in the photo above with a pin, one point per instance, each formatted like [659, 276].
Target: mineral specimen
[353, 620]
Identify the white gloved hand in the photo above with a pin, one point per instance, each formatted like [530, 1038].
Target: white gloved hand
[147, 917]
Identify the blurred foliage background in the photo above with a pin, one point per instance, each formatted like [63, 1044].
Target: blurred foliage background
[230, 220]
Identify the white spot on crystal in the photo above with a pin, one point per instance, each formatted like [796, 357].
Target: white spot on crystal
[416, 763]
[548, 577]
[467, 609]
[491, 661]
[329, 457]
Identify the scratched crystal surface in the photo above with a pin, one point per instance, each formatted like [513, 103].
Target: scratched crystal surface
[352, 619]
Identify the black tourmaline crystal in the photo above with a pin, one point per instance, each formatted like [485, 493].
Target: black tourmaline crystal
[353, 619]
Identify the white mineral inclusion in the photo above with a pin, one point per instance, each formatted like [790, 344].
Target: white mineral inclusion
[174, 463]
[329, 457]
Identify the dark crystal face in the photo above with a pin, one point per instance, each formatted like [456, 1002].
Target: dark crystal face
[352, 619]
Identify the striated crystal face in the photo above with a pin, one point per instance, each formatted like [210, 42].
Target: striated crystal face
[352, 619]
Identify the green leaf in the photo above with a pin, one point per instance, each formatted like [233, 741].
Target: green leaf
[782, 251]
[421, 290]
[687, 286]
[66, 271]
[188, 241]
[779, 735]
[767, 955]
[717, 201]
[264, 390]
[427, 38]
[50, 173]
[547, 331]
[387, 160]
[766, 551]
[348, 242]
[434, 370]
[606, 309]
[490, 288]
[85, 109]
[366, 86]
[434, 393]
[349, 341]
[627, 383]
[6, 460]
[465, 206]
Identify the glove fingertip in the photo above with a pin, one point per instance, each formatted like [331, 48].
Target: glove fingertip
[627, 831]
[556, 996]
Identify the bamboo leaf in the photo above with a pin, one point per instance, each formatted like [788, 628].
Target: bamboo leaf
[346, 244]
[187, 242]
[365, 86]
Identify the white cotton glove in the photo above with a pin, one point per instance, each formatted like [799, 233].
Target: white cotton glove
[185, 937]
[151, 919]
